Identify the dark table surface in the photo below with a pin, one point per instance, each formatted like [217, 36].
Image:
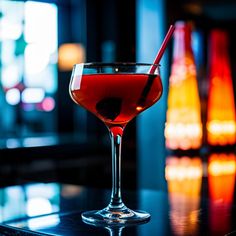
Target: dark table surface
[186, 194]
[199, 199]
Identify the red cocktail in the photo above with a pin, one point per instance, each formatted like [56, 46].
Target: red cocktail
[117, 98]
[115, 93]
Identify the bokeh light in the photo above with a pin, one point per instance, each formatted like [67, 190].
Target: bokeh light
[48, 104]
[13, 96]
[32, 95]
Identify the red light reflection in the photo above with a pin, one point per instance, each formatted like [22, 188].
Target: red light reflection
[221, 180]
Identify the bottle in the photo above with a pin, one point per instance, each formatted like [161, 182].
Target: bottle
[183, 129]
[221, 124]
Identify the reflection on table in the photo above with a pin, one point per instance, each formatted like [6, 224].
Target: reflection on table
[221, 182]
[184, 177]
[198, 200]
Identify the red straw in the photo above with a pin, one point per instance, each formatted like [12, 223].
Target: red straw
[162, 49]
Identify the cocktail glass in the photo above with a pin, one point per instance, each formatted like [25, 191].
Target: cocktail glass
[115, 93]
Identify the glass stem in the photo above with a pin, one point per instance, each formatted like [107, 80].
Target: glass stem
[116, 140]
[115, 231]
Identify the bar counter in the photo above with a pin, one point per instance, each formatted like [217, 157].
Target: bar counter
[59, 212]
[197, 196]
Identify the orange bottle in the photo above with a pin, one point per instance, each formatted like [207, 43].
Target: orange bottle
[183, 128]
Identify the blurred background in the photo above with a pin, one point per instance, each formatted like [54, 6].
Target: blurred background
[184, 144]
[44, 136]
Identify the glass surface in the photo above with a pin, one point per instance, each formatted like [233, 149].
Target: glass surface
[198, 199]
[115, 93]
[193, 203]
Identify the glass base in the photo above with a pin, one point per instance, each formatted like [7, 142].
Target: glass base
[108, 216]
